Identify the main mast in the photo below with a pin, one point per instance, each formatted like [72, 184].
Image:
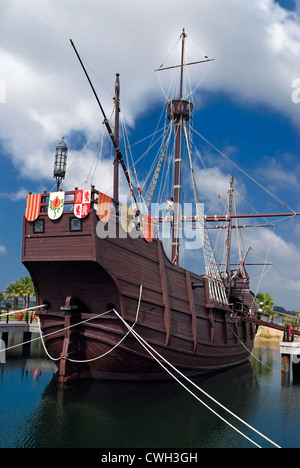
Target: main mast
[178, 112]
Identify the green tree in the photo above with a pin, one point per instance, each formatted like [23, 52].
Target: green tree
[12, 292]
[22, 288]
[266, 302]
[1, 298]
[26, 290]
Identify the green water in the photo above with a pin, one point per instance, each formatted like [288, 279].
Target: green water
[37, 412]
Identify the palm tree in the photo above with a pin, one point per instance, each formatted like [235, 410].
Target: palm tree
[22, 288]
[12, 292]
[266, 303]
[1, 298]
[26, 290]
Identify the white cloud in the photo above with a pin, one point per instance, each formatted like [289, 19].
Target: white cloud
[2, 249]
[256, 46]
[2, 92]
[284, 275]
[294, 286]
[268, 245]
[214, 183]
[20, 194]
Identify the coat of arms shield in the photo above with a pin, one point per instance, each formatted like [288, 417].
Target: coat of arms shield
[127, 218]
[56, 205]
[104, 207]
[148, 228]
[82, 203]
[33, 207]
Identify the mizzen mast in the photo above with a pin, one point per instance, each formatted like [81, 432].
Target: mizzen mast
[116, 135]
[229, 231]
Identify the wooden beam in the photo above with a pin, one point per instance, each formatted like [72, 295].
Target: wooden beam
[165, 292]
[191, 307]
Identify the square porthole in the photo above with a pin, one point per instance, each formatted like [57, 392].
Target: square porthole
[39, 226]
[75, 225]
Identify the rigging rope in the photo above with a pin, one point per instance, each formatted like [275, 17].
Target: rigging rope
[245, 173]
[217, 292]
[266, 262]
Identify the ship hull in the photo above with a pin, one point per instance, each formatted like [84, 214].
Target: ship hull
[83, 276]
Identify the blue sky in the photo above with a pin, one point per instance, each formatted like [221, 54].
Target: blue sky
[244, 104]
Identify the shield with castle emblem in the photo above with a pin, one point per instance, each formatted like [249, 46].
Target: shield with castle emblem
[82, 203]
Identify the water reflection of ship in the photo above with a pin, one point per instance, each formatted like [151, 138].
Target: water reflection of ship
[136, 415]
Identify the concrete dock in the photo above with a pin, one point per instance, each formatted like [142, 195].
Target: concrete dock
[290, 354]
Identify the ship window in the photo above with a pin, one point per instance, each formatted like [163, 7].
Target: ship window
[39, 226]
[75, 225]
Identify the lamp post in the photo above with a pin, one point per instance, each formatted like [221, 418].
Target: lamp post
[60, 162]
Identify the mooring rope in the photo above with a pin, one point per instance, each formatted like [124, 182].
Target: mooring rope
[22, 310]
[152, 352]
[66, 328]
[253, 355]
[58, 331]
[102, 355]
[158, 359]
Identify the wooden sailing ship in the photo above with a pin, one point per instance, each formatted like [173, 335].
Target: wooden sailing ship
[85, 266]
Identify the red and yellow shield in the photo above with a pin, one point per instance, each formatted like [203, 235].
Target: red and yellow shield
[148, 228]
[33, 207]
[104, 207]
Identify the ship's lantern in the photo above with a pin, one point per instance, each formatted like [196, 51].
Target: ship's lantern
[60, 162]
